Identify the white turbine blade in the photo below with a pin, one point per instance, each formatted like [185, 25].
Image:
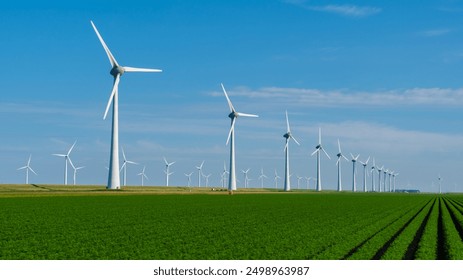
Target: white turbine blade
[30, 157]
[339, 147]
[286, 145]
[131, 162]
[72, 147]
[319, 136]
[113, 92]
[123, 154]
[339, 159]
[165, 160]
[325, 153]
[108, 52]
[133, 69]
[318, 149]
[287, 122]
[228, 99]
[344, 157]
[246, 115]
[59, 155]
[292, 137]
[232, 127]
[24, 167]
[31, 170]
[366, 162]
[122, 167]
[72, 164]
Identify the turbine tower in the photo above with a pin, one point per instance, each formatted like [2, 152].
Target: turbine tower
[288, 136]
[365, 174]
[246, 178]
[440, 185]
[143, 175]
[338, 163]
[200, 168]
[384, 179]
[168, 164]
[231, 138]
[354, 172]
[372, 176]
[116, 71]
[276, 179]
[124, 166]
[224, 176]
[261, 178]
[189, 178]
[379, 176]
[318, 149]
[28, 167]
[75, 172]
[394, 175]
[66, 159]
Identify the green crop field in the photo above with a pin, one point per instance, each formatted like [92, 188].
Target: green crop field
[56, 222]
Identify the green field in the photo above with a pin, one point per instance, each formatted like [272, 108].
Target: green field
[57, 222]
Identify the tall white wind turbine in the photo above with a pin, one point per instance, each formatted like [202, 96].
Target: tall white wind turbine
[28, 168]
[276, 179]
[246, 178]
[189, 178]
[75, 172]
[124, 166]
[231, 139]
[354, 172]
[66, 160]
[338, 163]
[365, 173]
[168, 173]
[372, 176]
[200, 168]
[317, 151]
[384, 179]
[394, 175]
[261, 178]
[288, 136]
[143, 176]
[116, 71]
[379, 169]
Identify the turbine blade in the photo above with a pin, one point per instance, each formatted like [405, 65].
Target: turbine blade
[287, 122]
[345, 157]
[113, 92]
[70, 161]
[246, 115]
[165, 160]
[228, 99]
[108, 52]
[366, 162]
[339, 147]
[58, 155]
[31, 170]
[339, 159]
[24, 167]
[232, 128]
[325, 153]
[292, 137]
[72, 147]
[133, 69]
[318, 149]
[319, 135]
[286, 145]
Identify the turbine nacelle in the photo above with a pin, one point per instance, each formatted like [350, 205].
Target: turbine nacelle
[117, 70]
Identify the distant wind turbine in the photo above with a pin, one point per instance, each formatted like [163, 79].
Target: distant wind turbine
[224, 176]
[207, 179]
[142, 175]
[379, 176]
[394, 175]
[385, 178]
[66, 160]
[288, 136]
[116, 71]
[28, 168]
[338, 163]
[317, 151]
[124, 166]
[261, 178]
[200, 168]
[231, 138]
[168, 173]
[75, 172]
[299, 178]
[440, 185]
[365, 174]
[354, 172]
[246, 178]
[372, 176]
[189, 178]
[308, 182]
[276, 179]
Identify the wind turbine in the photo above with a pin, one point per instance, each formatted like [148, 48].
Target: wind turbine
[200, 168]
[246, 178]
[116, 71]
[288, 136]
[28, 167]
[66, 159]
[365, 173]
[338, 163]
[390, 181]
[261, 178]
[143, 175]
[319, 148]
[372, 176]
[384, 179]
[354, 172]
[207, 179]
[231, 138]
[394, 175]
[224, 176]
[75, 172]
[379, 176]
[168, 164]
[299, 178]
[189, 178]
[308, 182]
[440, 185]
[276, 179]
[124, 166]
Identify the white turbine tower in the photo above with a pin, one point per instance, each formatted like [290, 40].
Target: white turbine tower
[317, 151]
[200, 168]
[390, 181]
[308, 182]
[224, 176]
[276, 179]
[207, 179]
[75, 172]
[394, 175]
[231, 138]
[261, 178]
[246, 178]
[384, 179]
[372, 176]
[288, 136]
[354, 172]
[189, 178]
[440, 185]
[299, 178]
[116, 71]
[66, 160]
[379, 169]
[124, 166]
[168, 164]
[365, 173]
[28, 168]
[338, 163]
[143, 176]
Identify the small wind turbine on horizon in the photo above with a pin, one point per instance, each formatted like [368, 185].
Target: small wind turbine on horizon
[354, 172]
[75, 172]
[143, 176]
[231, 139]
[379, 169]
[200, 168]
[338, 163]
[261, 178]
[124, 166]
[66, 160]
[317, 151]
[28, 168]
[276, 179]
[246, 178]
[207, 179]
[288, 136]
[224, 176]
[372, 176]
[168, 173]
[189, 178]
[116, 71]
[394, 175]
[365, 173]
[384, 179]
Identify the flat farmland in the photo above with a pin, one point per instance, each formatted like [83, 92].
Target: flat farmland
[90, 223]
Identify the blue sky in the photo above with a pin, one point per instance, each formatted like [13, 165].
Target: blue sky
[382, 76]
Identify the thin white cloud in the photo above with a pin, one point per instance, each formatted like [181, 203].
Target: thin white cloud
[344, 10]
[434, 32]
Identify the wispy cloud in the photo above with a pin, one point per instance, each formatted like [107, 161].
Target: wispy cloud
[434, 32]
[344, 10]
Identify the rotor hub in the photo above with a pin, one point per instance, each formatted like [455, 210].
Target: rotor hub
[117, 70]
